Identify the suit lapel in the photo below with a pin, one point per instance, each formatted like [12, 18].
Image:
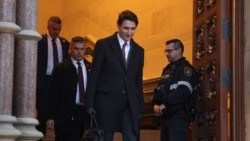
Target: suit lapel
[45, 47]
[88, 67]
[132, 54]
[64, 51]
[117, 49]
[69, 64]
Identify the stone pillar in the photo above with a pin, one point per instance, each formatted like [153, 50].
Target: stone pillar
[8, 28]
[25, 70]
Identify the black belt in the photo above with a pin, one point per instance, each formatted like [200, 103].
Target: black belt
[80, 107]
[48, 76]
[79, 112]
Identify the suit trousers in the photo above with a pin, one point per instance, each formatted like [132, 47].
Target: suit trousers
[127, 129]
[41, 104]
[76, 126]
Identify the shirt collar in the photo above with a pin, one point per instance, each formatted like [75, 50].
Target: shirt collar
[50, 38]
[121, 41]
[75, 61]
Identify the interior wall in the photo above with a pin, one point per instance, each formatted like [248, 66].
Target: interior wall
[47, 8]
[159, 20]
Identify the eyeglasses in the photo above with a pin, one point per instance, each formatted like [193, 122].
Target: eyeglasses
[170, 50]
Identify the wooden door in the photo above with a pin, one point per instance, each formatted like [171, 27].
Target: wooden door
[211, 57]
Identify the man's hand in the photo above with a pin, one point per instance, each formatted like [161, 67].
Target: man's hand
[158, 109]
[50, 124]
[91, 111]
[162, 107]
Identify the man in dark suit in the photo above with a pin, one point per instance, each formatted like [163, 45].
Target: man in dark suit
[46, 60]
[66, 110]
[115, 92]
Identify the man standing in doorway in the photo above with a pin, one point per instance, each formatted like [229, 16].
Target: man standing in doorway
[174, 96]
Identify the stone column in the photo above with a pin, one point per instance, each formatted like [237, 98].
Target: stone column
[8, 28]
[25, 70]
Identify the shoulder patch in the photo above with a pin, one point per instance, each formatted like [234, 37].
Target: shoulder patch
[188, 71]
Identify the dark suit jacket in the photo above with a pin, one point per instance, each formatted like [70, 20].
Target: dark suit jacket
[115, 86]
[62, 93]
[42, 57]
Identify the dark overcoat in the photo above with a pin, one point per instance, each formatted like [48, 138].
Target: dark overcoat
[62, 94]
[42, 80]
[115, 85]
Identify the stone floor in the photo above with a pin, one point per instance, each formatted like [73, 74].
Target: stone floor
[145, 135]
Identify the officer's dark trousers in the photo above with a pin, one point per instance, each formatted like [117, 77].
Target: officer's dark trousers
[174, 129]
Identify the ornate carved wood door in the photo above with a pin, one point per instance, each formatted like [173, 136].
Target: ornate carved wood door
[211, 57]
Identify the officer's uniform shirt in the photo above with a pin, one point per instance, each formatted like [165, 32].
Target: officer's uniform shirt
[180, 80]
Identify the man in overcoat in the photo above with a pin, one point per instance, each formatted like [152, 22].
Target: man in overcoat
[67, 103]
[47, 52]
[115, 90]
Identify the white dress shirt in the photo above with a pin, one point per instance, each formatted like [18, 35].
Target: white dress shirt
[50, 63]
[84, 73]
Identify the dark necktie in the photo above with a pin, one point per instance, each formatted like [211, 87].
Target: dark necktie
[55, 53]
[81, 82]
[123, 51]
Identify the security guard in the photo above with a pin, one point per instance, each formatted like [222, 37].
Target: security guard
[172, 95]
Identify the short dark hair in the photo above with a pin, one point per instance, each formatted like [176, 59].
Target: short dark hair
[77, 39]
[55, 19]
[177, 44]
[127, 15]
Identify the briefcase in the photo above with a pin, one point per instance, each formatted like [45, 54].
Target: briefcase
[92, 131]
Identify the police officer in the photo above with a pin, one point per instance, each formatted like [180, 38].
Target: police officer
[172, 93]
